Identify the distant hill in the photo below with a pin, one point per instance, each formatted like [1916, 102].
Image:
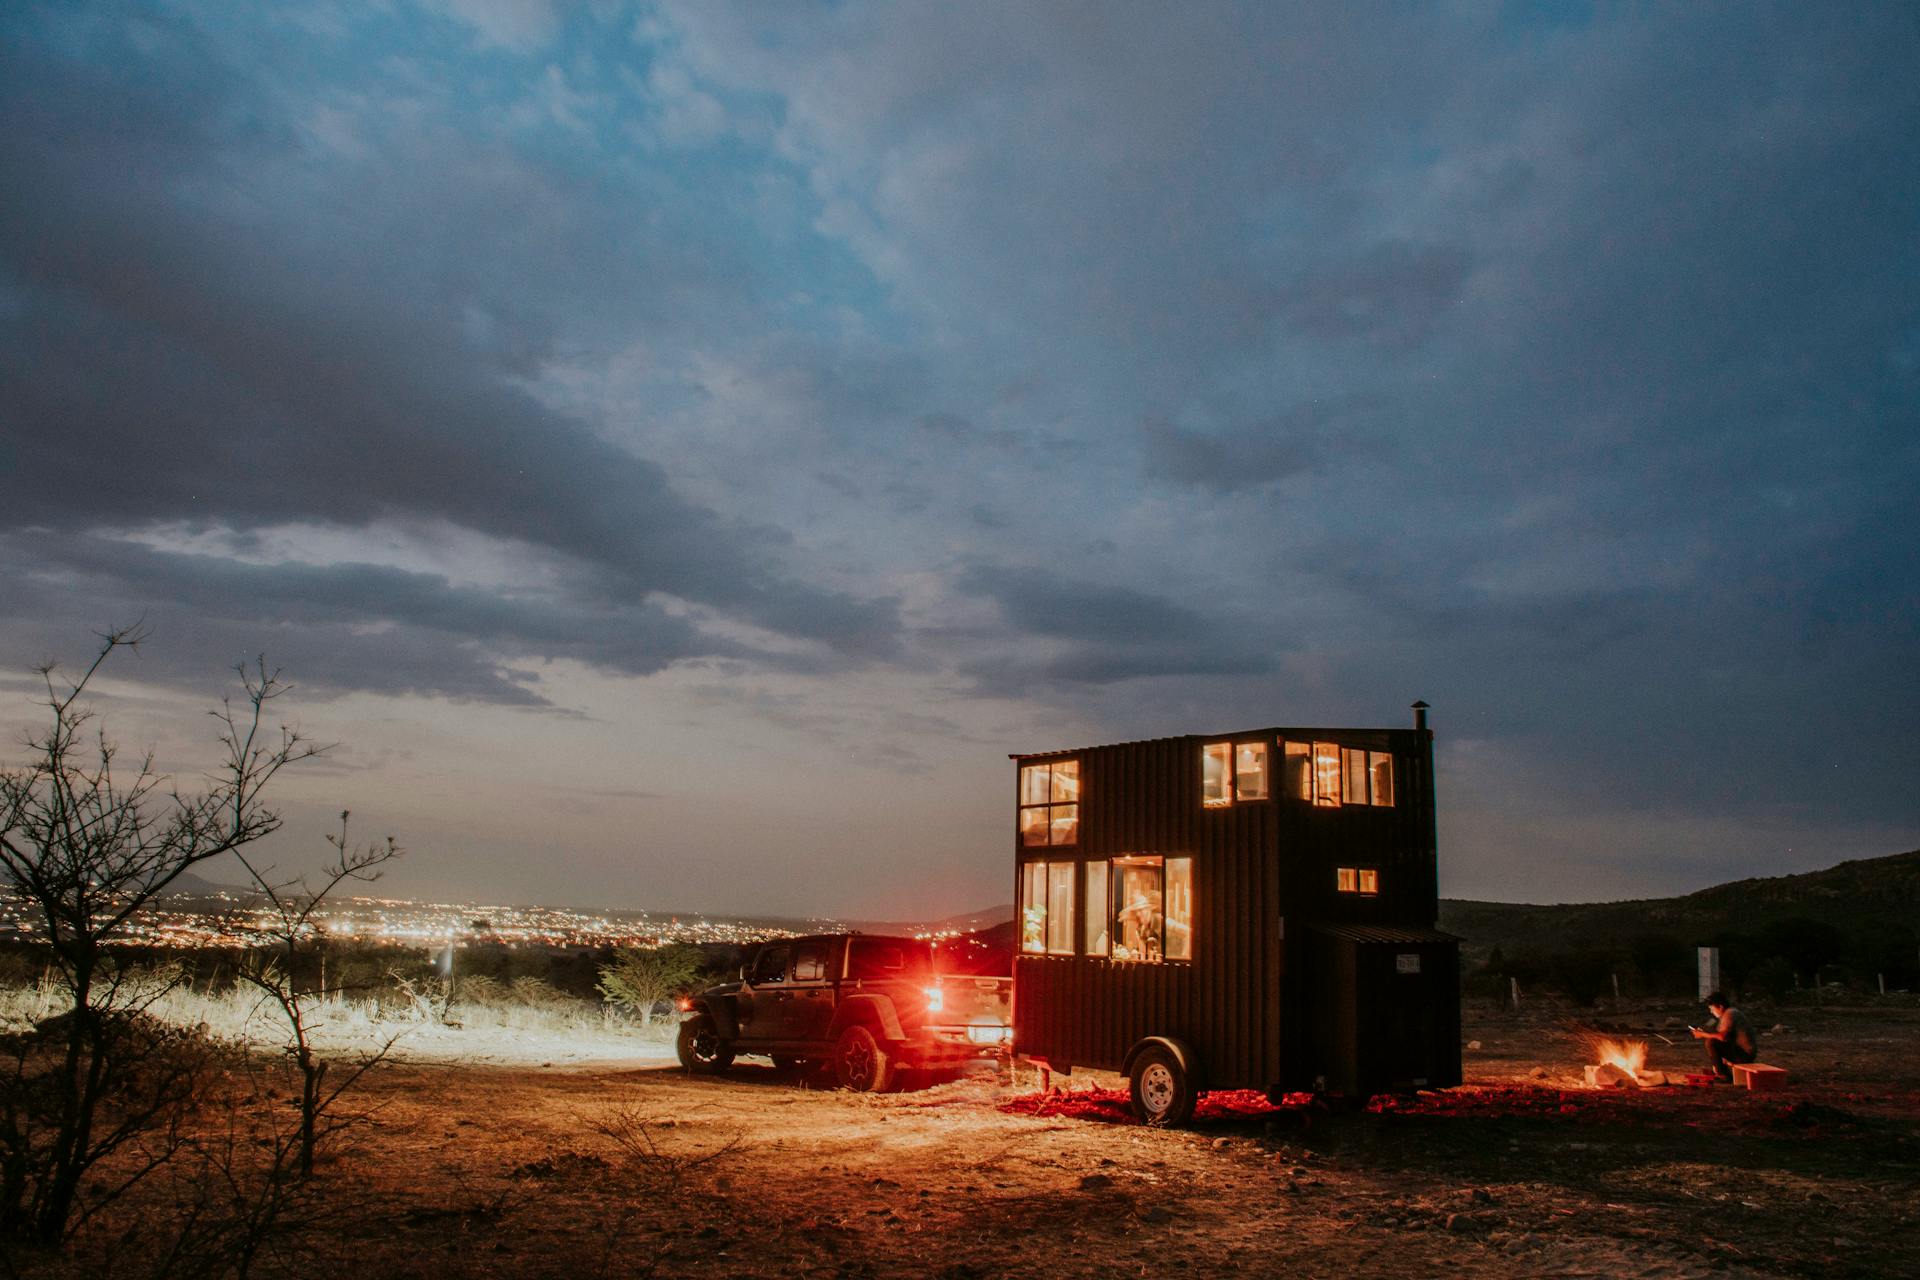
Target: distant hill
[1866, 893]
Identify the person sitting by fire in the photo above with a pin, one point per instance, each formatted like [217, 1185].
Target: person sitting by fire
[1731, 1039]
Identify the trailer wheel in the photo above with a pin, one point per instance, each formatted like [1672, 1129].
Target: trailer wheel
[862, 1062]
[701, 1047]
[1160, 1091]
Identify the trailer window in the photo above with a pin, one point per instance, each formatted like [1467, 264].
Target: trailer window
[1050, 803]
[1232, 771]
[1353, 765]
[1296, 771]
[1250, 771]
[1047, 923]
[1152, 908]
[1363, 880]
[1326, 774]
[1216, 775]
[1097, 920]
[1380, 767]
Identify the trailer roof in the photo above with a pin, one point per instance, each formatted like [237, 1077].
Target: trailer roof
[1298, 733]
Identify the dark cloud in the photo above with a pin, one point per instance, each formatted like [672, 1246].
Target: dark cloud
[193, 332]
[1079, 633]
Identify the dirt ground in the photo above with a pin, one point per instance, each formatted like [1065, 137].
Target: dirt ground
[616, 1170]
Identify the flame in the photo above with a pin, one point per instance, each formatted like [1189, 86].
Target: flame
[1628, 1055]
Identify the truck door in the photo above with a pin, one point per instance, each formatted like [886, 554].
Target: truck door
[808, 1013]
[760, 1006]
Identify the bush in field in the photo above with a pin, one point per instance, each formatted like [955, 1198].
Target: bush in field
[88, 840]
[639, 978]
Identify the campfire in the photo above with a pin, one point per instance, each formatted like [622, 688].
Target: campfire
[1622, 1064]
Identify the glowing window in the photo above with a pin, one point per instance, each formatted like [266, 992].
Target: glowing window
[1380, 769]
[1250, 771]
[1216, 775]
[1047, 921]
[1050, 803]
[1326, 774]
[1296, 771]
[1232, 771]
[1363, 880]
[1097, 920]
[1353, 769]
[1152, 908]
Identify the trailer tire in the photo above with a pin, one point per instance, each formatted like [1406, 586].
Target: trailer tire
[701, 1047]
[1160, 1091]
[862, 1062]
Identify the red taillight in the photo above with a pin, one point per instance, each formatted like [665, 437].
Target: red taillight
[936, 1000]
[684, 1004]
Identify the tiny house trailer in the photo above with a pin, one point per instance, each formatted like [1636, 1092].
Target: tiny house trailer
[1238, 910]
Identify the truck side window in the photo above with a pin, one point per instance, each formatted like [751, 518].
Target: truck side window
[809, 964]
[769, 966]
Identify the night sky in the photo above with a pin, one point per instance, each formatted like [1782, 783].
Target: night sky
[678, 451]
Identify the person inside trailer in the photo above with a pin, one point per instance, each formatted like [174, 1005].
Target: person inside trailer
[1729, 1040]
[1140, 926]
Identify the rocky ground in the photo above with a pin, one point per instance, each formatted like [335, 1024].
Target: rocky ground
[617, 1169]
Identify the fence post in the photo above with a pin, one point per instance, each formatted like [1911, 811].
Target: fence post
[1516, 991]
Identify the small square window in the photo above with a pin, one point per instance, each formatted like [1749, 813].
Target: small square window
[1362, 880]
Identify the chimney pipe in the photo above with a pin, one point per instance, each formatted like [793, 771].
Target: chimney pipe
[1419, 715]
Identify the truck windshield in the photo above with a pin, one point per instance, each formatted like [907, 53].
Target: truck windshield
[888, 958]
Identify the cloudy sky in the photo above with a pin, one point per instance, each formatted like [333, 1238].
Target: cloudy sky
[679, 450]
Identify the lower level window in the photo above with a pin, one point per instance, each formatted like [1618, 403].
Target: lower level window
[1046, 908]
[1357, 880]
[1152, 899]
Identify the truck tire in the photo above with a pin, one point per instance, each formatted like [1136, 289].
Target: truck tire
[1159, 1090]
[701, 1047]
[862, 1062]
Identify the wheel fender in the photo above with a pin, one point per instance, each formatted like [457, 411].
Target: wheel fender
[876, 1012]
[1188, 1060]
[722, 1014]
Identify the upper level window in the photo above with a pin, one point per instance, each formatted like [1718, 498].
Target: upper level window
[1050, 803]
[1232, 771]
[1364, 880]
[1296, 771]
[1152, 901]
[1368, 776]
[1380, 773]
[1326, 774]
[1046, 908]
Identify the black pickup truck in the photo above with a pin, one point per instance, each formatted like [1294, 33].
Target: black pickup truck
[869, 1005]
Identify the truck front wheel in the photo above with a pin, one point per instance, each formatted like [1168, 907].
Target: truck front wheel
[701, 1047]
[862, 1062]
[1161, 1092]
